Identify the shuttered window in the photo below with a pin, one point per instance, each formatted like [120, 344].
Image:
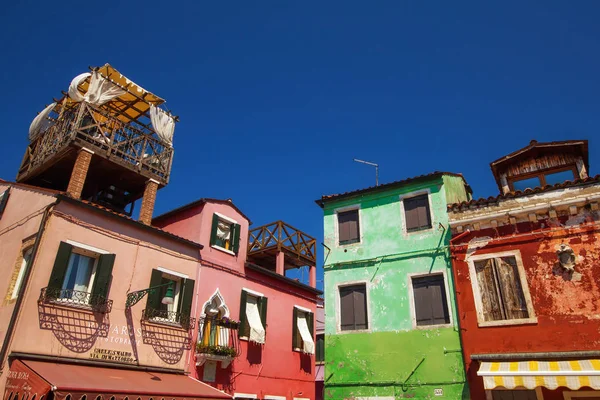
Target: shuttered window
[3, 200]
[431, 304]
[225, 234]
[320, 351]
[353, 308]
[500, 288]
[417, 213]
[348, 227]
[262, 302]
[183, 292]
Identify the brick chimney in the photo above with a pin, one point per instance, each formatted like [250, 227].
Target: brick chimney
[79, 173]
[148, 202]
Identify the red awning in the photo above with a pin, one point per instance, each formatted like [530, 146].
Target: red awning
[36, 377]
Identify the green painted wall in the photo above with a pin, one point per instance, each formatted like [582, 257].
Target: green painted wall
[393, 358]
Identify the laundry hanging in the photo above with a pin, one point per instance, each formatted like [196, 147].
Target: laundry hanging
[41, 122]
[163, 124]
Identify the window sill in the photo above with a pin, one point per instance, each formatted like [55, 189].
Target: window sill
[247, 339]
[426, 327]
[416, 231]
[224, 250]
[301, 351]
[509, 322]
[341, 332]
[347, 245]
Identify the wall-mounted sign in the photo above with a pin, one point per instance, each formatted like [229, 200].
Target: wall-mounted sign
[112, 355]
[438, 392]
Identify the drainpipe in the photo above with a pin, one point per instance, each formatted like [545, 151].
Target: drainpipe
[26, 275]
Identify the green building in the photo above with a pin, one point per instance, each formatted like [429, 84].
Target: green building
[391, 325]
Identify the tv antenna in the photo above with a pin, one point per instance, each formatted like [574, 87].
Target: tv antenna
[373, 165]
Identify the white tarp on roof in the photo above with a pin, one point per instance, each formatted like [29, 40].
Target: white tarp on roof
[257, 331]
[74, 94]
[163, 124]
[41, 122]
[101, 90]
[307, 339]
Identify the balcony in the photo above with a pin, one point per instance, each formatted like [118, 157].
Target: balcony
[125, 149]
[267, 242]
[75, 299]
[168, 318]
[217, 341]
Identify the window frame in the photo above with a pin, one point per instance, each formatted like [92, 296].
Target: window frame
[82, 251]
[338, 306]
[231, 222]
[336, 213]
[19, 281]
[258, 296]
[411, 195]
[411, 296]
[307, 313]
[481, 322]
[568, 395]
[317, 361]
[541, 175]
[178, 278]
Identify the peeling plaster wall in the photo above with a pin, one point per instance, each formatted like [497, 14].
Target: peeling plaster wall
[566, 304]
[392, 358]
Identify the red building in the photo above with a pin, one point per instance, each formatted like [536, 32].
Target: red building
[256, 331]
[527, 272]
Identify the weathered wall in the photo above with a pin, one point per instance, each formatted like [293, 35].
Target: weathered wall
[566, 307]
[393, 358]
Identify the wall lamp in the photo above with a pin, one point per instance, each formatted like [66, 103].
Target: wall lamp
[134, 297]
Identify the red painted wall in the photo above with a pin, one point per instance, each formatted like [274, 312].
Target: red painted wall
[567, 311]
[269, 369]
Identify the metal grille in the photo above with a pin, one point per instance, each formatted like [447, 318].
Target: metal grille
[168, 318]
[75, 299]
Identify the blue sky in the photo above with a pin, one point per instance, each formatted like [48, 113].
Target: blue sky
[276, 97]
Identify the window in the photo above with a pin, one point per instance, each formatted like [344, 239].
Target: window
[353, 307]
[3, 200]
[543, 178]
[500, 287]
[348, 227]
[515, 394]
[183, 292]
[430, 302]
[417, 213]
[225, 234]
[19, 272]
[320, 352]
[81, 274]
[303, 331]
[582, 395]
[253, 316]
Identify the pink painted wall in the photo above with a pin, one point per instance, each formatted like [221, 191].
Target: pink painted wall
[269, 369]
[67, 332]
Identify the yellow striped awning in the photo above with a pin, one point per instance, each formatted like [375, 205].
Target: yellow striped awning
[549, 374]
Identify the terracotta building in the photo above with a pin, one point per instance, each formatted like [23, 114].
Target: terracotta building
[527, 272]
[97, 305]
[256, 326]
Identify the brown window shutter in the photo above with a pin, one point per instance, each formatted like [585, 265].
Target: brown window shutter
[431, 304]
[417, 213]
[346, 308]
[439, 302]
[423, 212]
[348, 227]
[411, 214]
[515, 305]
[490, 298]
[423, 311]
[360, 308]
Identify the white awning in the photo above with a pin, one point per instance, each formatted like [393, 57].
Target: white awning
[307, 339]
[257, 331]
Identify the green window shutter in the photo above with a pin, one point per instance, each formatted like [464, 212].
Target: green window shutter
[244, 329]
[154, 296]
[3, 199]
[262, 302]
[235, 244]
[60, 268]
[295, 335]
[185, 305]
[213, 232]
[103, 275]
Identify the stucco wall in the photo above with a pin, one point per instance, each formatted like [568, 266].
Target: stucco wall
[392, 358]
[567, 310]
[54, 330]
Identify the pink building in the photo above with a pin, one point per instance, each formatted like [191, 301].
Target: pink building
[270, 353]
[98, 305]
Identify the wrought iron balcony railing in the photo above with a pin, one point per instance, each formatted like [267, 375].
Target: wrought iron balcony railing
[283, 237]
[126, 143]
[218, 337]
[168, 318]
[75, 299]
